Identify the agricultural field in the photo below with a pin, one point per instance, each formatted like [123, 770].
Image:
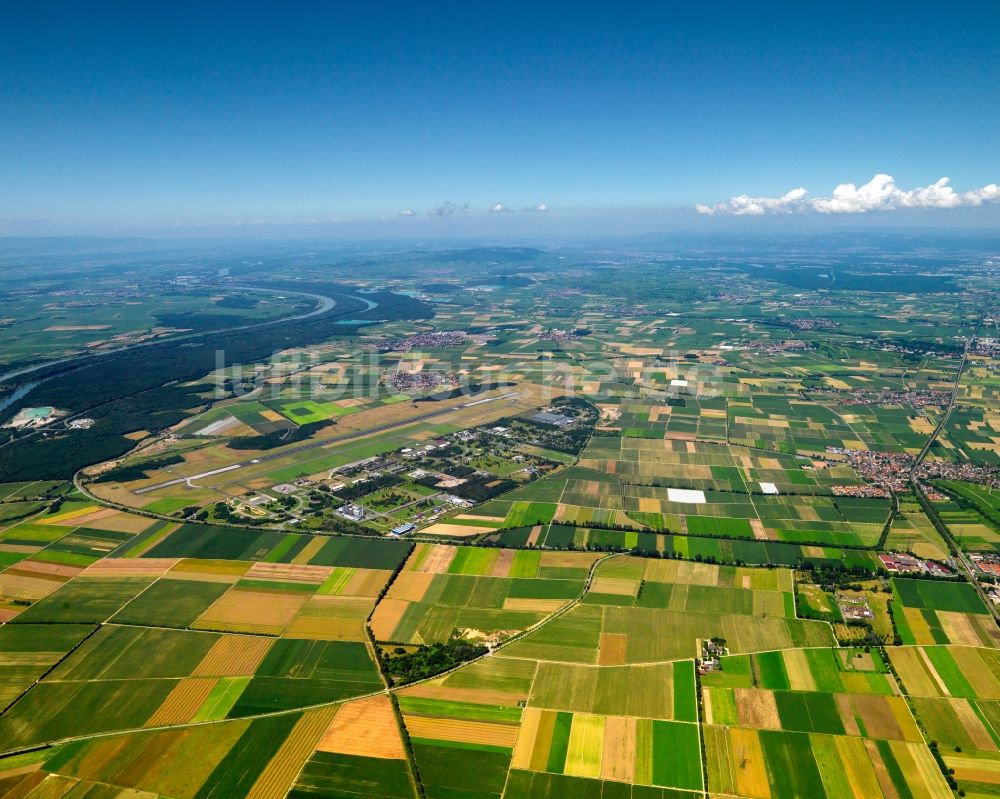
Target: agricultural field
[912, 531]
[929, 612]
[972, 515]
[510, 524]
[632, 600]
[971, 435]
[699, 489]
[476, 594]
[825, 722]
[955, 693]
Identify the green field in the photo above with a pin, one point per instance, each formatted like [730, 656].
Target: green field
[634, 562]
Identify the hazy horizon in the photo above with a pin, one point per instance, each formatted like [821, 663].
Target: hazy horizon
[506, 122]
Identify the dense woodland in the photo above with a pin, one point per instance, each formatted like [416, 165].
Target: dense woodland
[148, 388]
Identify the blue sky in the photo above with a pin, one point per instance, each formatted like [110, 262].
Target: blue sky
[143, 116]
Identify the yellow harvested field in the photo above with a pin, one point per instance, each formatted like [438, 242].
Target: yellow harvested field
[973, 725]
[233, 656]
[308, 552]
[461, 730]
[618, 586]
[182, 702]
[331, 618]
[91, 519]
[958, 627]
[411, 586]
[289, 572]
[661, 571]
[977, 671]
[251, 611]
[454, 530]
[432, 558]
[618, 758]
[800, 676]
[543, 741]
[231, 569]
[570, 560]
[879, 717]
[38, 568]
[612, 649]
[282, 769]
[846, 712]
[388, 613]
[536, 605]
[67, 517]
[367, 583]
[974, 769]
[933, 672]
[749, 771]
[17, 585]
[649, 505]
[858, 767]
[481, 696]
[524, 747]
[130, 567]
[119, 522]
[365, 727]
[910, 666]
[756, 708]
[917, 764]
[918, 625]
[336, 583]
[501, 568]
[536, 533]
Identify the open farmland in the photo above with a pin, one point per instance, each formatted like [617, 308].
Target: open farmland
[617, 565]
[476, 593]
[823, 721]
[955, 693]
[929, 612]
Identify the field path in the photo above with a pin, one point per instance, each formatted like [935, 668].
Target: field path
[385, 690]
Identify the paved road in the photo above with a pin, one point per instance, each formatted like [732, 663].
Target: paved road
[961, 557]
[325, 442]
[954, 395]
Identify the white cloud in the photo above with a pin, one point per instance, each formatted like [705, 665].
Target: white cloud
[449, 209]
[408, 212]
[540, 208]
[987, 194]
[498, 208]
[879, 194]
[745, 205]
